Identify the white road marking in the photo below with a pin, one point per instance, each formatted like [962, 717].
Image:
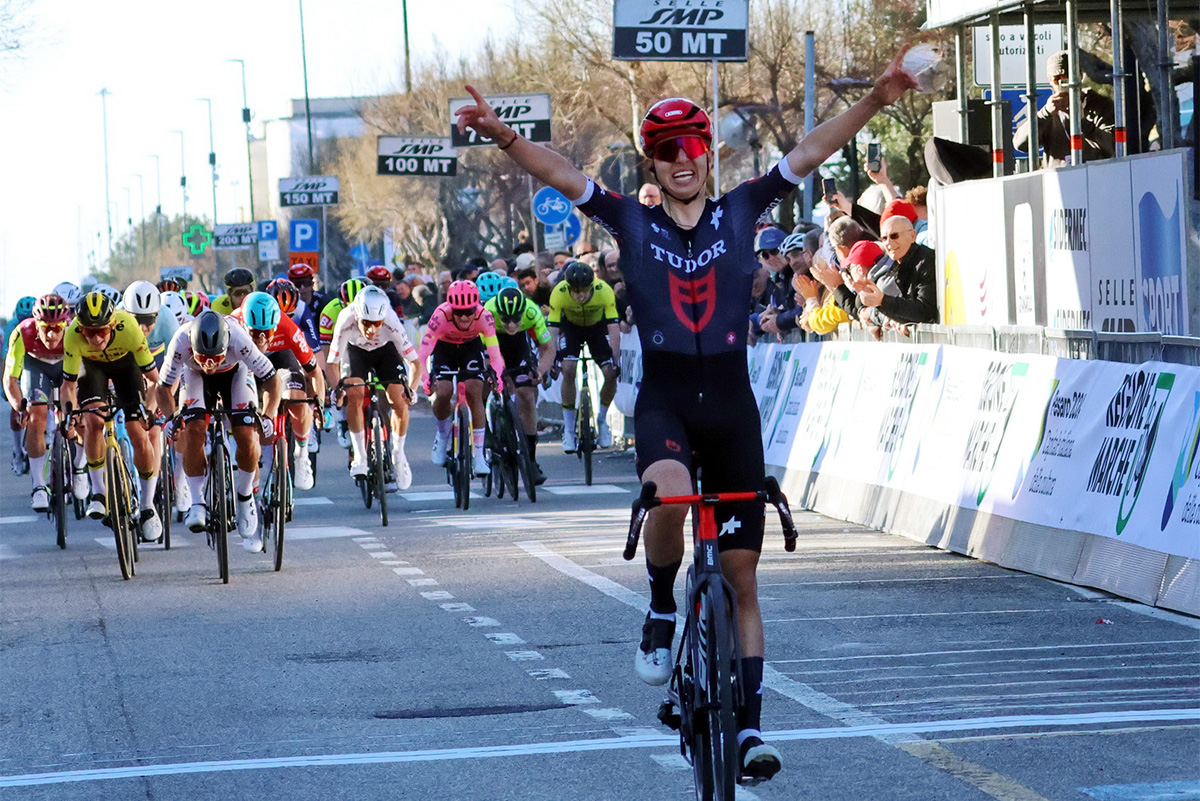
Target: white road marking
[671, 762]
[366, 539]
[582, 746]
[458, 607]
[408, 571]
[382, 554]
[394, 562]
[608, 713]
[959, 613]
[548, 673]
[505, 638]
[1134, 606]
[1106, 646]
[481, 622]
[4, 521]
[583, 489]
[7, 552]
[374, 545]
[576, 697]
[1155, 791]
[423, 582]
[311, 501]
[321, 532]
[490, 521]
[607, 586]
[524, 656]
[436, 595]
[447, 495]
[110, 544]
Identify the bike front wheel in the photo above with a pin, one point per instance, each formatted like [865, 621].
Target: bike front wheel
[587, 436]
[465, 451]
[378, 475]
[118, 513]
[714, 736]
[60, 485]
[220, 489]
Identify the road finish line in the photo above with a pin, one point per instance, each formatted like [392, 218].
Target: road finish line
[602, 744]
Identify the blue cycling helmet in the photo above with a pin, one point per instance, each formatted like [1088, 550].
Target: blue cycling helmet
[260, 311]
[24, 308]
[507, 281]
[489, 285]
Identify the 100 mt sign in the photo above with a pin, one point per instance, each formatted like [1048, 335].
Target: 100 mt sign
[414, 165]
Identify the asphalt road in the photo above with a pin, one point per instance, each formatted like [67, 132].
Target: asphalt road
[487, 655]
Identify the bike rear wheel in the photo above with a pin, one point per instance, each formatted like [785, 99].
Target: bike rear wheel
[165, 495]
[118, 513]
[587, 434]
[60, 485]
[280, 499]
[465, 452]
[524, 456]
[219, 490]
[378, 475]
[714, 743]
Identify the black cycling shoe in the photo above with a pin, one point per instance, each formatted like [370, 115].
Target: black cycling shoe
[760, 761]
[539, 478]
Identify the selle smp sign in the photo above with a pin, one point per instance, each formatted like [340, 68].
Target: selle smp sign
[235, 236]
[680, 30]
[528, 115]
[310, 190]
[416, 155]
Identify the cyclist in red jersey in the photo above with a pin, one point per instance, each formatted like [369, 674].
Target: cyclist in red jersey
[688, 265]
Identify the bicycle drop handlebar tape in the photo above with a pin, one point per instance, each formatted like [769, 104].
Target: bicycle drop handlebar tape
[641, 507]
[779, 501]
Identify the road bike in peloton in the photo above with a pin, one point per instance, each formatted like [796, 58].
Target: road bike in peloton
[510, 459]
[277, 489]
[706, 686]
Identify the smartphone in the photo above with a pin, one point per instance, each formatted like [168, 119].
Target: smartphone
[874, 156]
[828, 187]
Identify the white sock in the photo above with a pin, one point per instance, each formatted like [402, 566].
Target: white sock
[243, 482]
[149, 485]
[301, 445]
[196, 485]
[477, 435]
[444, 427]
[358, 442]
[37, 469]
[398, 443]
[80, 460]
[747, 733]
[96, 474]
[569, 419]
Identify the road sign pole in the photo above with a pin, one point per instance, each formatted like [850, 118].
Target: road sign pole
[533, 223]
[716, 87]
[324, 240]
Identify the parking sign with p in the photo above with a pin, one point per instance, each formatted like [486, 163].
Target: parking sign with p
[304, 236]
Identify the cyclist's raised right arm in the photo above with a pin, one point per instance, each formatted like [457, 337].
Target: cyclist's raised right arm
[542, 163]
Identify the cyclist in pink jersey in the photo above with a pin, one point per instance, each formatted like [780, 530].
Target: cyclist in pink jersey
[458, 332]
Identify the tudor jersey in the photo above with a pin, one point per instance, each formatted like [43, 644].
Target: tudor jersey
[690, 290]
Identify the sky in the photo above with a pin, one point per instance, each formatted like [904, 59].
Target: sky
[156, 58]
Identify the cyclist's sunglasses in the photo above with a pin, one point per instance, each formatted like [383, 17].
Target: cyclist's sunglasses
[240, 291]
[94, 332]
[207, 362]
[51, 328]
[261, 333]
[691, 146]
[146, 319]
[464, 312]
[302, 281]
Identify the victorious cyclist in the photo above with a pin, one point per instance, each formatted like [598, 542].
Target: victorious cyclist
[688, 266]
[583, 310]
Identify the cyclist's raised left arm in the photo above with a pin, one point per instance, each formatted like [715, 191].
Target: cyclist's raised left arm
[542, 163]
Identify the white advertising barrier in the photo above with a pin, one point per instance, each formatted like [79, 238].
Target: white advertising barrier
[1095, 447]
[974, 272]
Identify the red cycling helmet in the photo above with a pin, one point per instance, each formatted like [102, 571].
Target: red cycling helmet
[675, 116]
[51, 310]
[285, 294]
[379, 274]
[300, 270]
[463, 295]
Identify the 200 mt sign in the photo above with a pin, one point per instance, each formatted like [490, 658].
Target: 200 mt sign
[680, 30]
[416, 155]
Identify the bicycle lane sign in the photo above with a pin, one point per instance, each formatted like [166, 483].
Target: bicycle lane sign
[550, 206]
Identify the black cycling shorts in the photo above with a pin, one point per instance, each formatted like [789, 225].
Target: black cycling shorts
[520, 361]
[572, 338]
[465, 361]
[384, 361]
[126, 378]
[39, 379]
[287, 365]
[685, 407]
[233, 387]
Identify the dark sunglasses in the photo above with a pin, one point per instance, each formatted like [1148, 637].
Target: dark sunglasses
[766, 254]
[691, 146]
[894, 235]
[303, 282]
[146, 319]
[94, 332]
[464, 312]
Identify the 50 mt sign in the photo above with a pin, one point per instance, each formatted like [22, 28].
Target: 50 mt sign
[680, 30]
[313, 190]
[416, 155]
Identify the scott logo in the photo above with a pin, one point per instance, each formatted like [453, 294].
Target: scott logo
[683, 16]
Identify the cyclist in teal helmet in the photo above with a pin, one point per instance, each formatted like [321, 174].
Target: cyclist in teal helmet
[489, 284]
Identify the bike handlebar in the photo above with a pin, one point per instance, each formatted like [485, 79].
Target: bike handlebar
[647, 500]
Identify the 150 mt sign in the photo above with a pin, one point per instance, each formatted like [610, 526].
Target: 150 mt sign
[312, 190]
[528, 115]
[680, 30]
[416, 155]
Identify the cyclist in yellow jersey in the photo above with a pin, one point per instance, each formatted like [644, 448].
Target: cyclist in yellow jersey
[103, 344]
[583, 310]
[239, 282]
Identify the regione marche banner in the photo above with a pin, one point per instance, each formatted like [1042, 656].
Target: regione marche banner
[1099, 447]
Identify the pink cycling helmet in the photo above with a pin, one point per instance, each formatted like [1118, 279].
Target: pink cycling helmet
[463, 295]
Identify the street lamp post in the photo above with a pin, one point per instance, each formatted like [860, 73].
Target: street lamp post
[407, 67]
[212, 156]
[142, 208]
[246, 120]
[158, 208]
[104, 93]
[182, 176]
[307, 108]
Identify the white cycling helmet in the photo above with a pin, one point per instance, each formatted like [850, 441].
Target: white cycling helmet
[141, 297]
[174, 303]
[68, 292]
[371, 304]
[111, 293]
